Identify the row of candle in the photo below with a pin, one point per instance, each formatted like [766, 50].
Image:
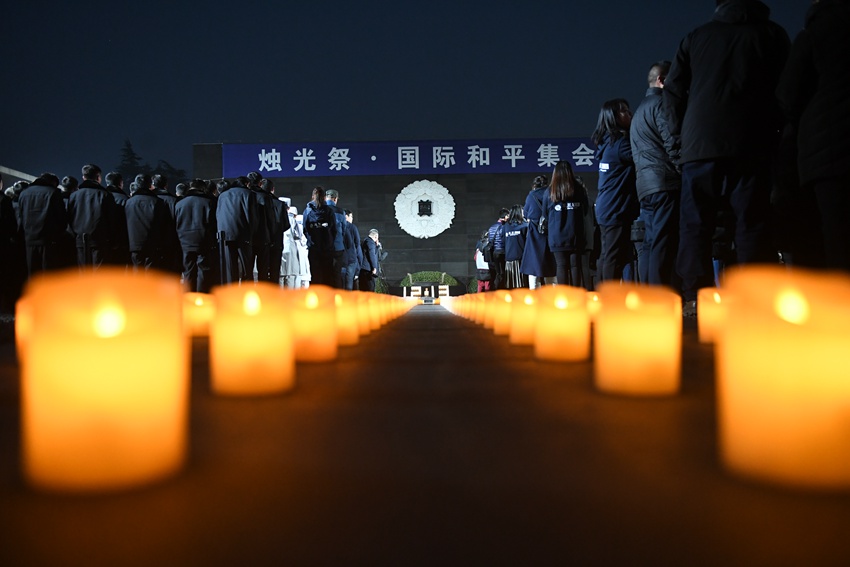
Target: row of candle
[105, 364]
[637, 330]
[781, 339]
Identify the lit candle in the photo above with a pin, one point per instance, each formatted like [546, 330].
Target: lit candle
[523, 317]
[198, 311]
[105, 381]
[313, 321]
[711, 310]
[562, 331]
[783, 381]
[638, 340]
[594, 304]
[251, 350]
[502, 303]
[347, 321]
[363, 312]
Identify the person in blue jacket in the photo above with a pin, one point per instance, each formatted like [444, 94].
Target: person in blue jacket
[565, 203]
[537, 260]
[515, 230]
[616, 203]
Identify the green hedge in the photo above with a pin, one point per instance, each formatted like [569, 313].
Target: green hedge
[431, 277]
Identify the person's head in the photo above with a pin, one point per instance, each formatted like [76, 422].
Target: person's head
[91, 172]
[222, 185]
[504, 214]
[332, 195]
[69, 184]
[516, 216]
[373, 234]
[658, 74]
[160, 182]
[180, 189]
[198, 185]
[562, 187]
[540, 181]
[349, 216]
[614, 120]
[267, 185]
[254, 178]
[143, 182]
[46, 180]
[133, 188]
[319, 195]
[115, 179]
[242, 181]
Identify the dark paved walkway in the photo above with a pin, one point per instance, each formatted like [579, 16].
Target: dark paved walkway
[433, 442]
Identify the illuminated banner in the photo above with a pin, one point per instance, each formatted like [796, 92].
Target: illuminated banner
[322, 159]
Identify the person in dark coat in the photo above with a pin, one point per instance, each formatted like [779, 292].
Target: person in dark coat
[720, 100]
[280, 217]
[172, 254]
[813, 91]
[353, 256]
[659, 183]
[120, 255]
[565, 203]
[262, 239]
[616, 202]
[369, 267]
[148, 223]
[496, 235]
[320, 228]
[537, 260]
[237, 215]
[331, 199]
[93, 217]
[196, 229]
[42, 218]
[516, 230]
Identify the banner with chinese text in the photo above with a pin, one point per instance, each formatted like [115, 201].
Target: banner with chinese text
[323, 159]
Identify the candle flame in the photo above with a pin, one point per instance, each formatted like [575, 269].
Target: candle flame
[632, 300]
[199, 301]
[792, 306]
[716, 297]
[561, 302]
[251, 303]
[528, 300]
[508, 298]
[338, 300]
[311, 301]
[109, 321]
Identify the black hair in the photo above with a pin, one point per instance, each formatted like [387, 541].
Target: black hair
[563, 186]
[607, 124]
[91, 171]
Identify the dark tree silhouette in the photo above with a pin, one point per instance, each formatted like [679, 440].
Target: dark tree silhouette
[132, 164]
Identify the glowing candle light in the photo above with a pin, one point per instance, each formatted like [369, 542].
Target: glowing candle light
[711, 309]
[105, 380]
[638, 340]
[198, 311]
[783, 381]
[562, 331]
[364, 324]
[348, 329]
[594, 304]
[251, 350]
[523, 317]
[313, 320]
[502, 312]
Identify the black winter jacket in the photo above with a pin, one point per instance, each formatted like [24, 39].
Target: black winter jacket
[93, 212]
[41, 215]
[719, 95]
[148, 222]
[654, 149]
[195, 222]
[815, 89]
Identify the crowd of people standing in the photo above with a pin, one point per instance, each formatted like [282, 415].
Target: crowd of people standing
[207, 232]
[737, 153]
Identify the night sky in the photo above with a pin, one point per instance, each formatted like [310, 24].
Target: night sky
[80, 78]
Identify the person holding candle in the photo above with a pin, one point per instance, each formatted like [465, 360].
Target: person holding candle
[565, 205]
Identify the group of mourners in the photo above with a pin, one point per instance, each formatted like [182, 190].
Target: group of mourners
[210, 232]
[737, 154]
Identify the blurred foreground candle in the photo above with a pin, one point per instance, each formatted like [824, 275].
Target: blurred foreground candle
[711, 312]
[502, 311]
[593, 304]
[251, 351]
[638, 340]
[523, 317]
[313, 320]
[562, 331]
[198, 311]
[783, 377]
[105, 380]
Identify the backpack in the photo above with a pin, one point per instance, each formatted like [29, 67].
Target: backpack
[489, 250]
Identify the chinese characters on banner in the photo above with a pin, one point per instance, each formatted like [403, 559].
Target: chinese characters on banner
[322, 159]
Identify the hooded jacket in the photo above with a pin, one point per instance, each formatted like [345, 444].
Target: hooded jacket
[814, 91]
[719, 94]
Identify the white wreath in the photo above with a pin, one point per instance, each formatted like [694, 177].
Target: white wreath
[407, 209]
